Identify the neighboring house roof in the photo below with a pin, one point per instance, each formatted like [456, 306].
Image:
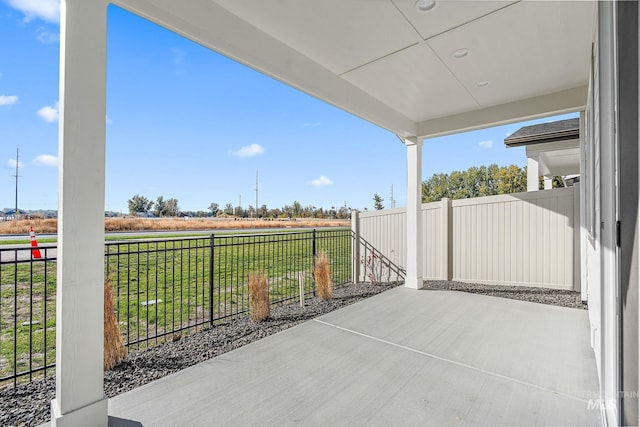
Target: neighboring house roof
[561, 130]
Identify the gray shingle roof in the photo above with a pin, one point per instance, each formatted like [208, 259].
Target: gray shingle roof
[560, 130]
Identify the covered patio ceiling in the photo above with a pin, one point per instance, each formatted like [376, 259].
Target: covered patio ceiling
[461, 65]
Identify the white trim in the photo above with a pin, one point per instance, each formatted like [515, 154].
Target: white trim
[608, 181]
[533, 173]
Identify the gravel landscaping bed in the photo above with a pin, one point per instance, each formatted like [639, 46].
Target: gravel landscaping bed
[28, 404]
[558, 297]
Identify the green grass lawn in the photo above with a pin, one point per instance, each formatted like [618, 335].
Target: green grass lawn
[163, 287]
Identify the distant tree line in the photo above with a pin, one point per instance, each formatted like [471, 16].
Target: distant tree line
[478, 181]
[162, 208]
[294, 210]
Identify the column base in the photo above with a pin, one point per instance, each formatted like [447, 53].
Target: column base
[94, 414]
[413, 282]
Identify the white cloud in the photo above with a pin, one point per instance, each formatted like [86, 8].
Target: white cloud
[485, 144]
[47, 37]
[49, 113]
[321, 181]
[8, 99]
[12, 163]
[249, 151]
[46, 160]
[46, 10]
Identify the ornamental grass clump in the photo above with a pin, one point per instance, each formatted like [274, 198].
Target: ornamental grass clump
[259, 308]
[322, 274]
[114, 349]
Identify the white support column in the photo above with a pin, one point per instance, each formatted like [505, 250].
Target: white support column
[548, 183]
[80, 399]
[533, 174]
[413, 277]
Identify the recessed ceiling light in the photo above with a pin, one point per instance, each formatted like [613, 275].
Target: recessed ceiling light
[423, 6]
[482, 83]
[460, 53]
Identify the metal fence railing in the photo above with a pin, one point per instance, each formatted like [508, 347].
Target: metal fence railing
[27, 313]
[162, 288]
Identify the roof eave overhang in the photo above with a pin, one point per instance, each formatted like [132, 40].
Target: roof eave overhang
[543, 138]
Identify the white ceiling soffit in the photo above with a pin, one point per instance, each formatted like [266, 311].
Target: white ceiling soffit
[389, 64]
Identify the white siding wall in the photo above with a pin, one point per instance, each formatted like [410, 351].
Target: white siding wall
[519, 239]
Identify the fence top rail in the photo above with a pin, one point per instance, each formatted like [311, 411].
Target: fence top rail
[25, 246]
[155, 240]
[206, 236]
[515, 197]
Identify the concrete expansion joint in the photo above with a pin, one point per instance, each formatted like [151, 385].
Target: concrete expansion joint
[453, 362]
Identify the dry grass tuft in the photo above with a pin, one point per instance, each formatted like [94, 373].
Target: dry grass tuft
[259, 307]
[322, 274]
[114, 349]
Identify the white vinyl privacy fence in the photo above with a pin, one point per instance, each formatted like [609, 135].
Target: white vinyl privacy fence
[518, 239]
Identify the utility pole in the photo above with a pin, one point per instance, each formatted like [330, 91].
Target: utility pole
[17, 176]
[256, 193]
[392, 202]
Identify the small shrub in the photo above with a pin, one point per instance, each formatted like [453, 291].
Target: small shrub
[114, 349]
[259, 308]
[322, 274]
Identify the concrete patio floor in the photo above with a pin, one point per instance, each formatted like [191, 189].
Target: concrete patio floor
[403, 357]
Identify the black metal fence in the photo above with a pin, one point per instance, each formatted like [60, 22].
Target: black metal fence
[27, 313]
[162, 288]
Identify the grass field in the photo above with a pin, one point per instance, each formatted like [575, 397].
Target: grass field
[163, 287]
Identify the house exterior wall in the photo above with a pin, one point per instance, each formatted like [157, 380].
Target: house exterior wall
[610, 257]
[522, 239]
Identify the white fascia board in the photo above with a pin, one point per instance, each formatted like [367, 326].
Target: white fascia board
[214, 27]
[553, 146]
[566, 101]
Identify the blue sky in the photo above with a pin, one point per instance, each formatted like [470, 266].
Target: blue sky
[185, 122]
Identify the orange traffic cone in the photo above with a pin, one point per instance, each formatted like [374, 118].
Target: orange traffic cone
[34, 244]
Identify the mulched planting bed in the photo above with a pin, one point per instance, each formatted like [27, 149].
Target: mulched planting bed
[29, 404]
[557, 297]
